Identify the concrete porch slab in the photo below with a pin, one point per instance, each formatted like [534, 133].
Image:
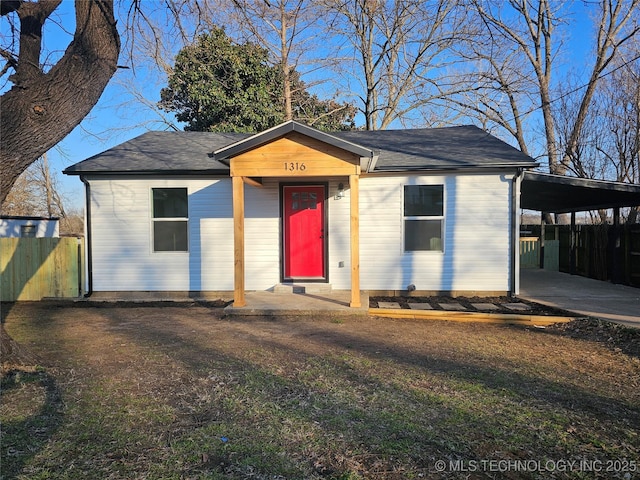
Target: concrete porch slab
[314, 288]
[335, 302]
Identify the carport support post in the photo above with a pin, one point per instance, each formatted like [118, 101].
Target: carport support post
[542, 234]
[572, 247]
[238, 242]
[616, 273]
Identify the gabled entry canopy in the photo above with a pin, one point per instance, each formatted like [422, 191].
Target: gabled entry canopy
[559, 194]
[291, 151]
[279, 152]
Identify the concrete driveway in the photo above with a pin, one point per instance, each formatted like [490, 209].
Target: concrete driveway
[617, 303]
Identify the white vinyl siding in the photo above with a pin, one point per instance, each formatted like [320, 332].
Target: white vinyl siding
[261, 235]
[339, 237]
[122, 241]
[15, 227]
[122, 248]
[476, 238]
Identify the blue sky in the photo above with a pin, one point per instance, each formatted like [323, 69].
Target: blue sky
[118, 117]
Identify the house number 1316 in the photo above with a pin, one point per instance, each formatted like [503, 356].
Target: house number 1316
[295, 166]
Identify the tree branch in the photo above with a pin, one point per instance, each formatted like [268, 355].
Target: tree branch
[42, 109]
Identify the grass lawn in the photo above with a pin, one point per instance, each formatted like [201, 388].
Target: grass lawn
[179, 392]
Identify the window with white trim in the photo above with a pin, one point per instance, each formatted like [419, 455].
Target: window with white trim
[170, 219]
[423, 217]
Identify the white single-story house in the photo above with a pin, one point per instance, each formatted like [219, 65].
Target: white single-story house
[29, 227]
[435, 210]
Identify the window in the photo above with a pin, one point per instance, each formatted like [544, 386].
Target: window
[28, 231]
[170, 220]
[423, 217]
[304, 201]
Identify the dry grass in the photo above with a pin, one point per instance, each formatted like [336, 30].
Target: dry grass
[162, 392]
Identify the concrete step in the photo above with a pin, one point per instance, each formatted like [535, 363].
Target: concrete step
[302, 288]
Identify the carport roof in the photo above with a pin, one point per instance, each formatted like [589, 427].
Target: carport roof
[559, 194]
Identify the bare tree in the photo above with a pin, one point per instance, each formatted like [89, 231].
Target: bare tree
[157, 31]
[618, 148]
[522, 34]
[154, 34]
[288, 30]
[36, 192]
[47, 101]
[618, 23]
[621, 116]
[22, 199]
[395, 50]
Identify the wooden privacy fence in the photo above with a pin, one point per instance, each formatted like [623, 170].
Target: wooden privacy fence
[602, 252]
[530, 250]
[36, 268]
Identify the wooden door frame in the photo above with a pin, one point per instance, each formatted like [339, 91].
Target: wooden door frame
[325, 213]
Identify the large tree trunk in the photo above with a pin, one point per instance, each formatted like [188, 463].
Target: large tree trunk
[13, 355]
[43, 108]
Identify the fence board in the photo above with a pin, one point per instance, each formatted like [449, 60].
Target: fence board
[552, 255]
[529, 252]
[34, 268]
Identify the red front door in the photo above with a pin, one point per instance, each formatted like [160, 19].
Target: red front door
[304, 232]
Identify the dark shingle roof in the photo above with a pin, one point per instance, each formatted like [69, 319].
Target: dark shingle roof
[399, 150]
[438, 148]
[161, 152]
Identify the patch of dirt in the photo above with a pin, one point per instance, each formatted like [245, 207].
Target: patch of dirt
[615, 336]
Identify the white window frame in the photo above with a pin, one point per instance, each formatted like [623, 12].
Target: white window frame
[167, 219]
[440, 218]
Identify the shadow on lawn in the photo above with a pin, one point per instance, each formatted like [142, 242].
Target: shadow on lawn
[24, 437]
[384, 432]
[503, 377]
[295, 398]
[500, 377]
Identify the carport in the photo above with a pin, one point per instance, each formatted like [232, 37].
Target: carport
[558, 194]
[548, 193]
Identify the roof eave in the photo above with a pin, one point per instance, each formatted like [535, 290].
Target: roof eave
[583, 182]
[223, 154]
[428, 168]
[148, 172]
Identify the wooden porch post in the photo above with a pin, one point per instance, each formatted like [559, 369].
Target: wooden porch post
[238, 242]
[355, 241]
